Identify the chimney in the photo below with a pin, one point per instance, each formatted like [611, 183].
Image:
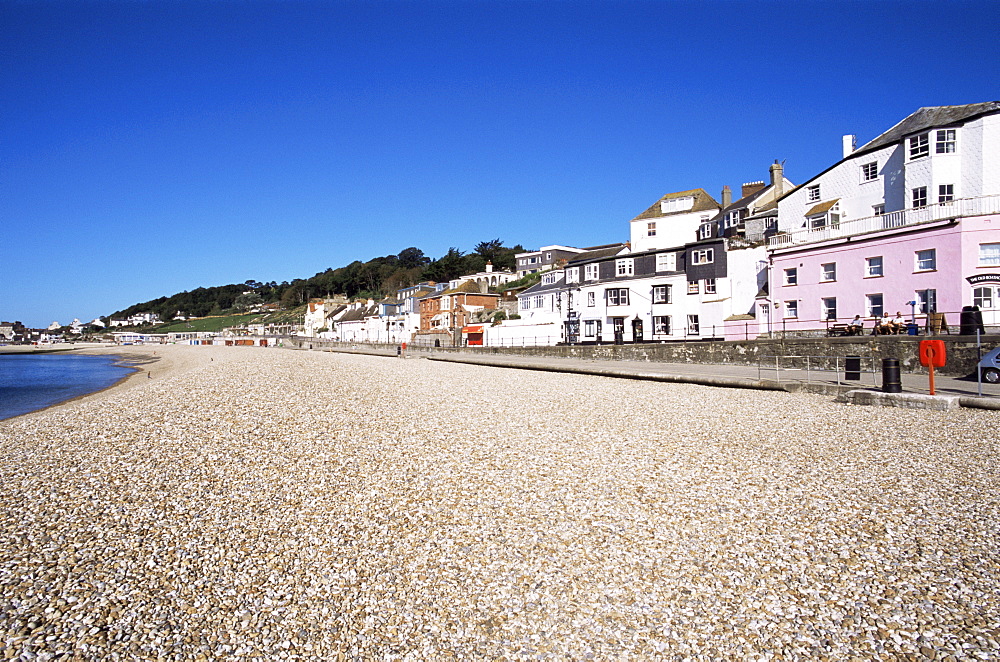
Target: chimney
[777, 178]
[727, 196]
[750, 188]
[849, 143]
[489, 267]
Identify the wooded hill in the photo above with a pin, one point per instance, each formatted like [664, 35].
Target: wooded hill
[374, 279]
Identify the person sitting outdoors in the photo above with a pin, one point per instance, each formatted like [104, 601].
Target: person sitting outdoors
[884, 325]
[898, 323]
[856, 325]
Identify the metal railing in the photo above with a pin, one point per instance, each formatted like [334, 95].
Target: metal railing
[980, 206]
[941, 322]
[813, 369]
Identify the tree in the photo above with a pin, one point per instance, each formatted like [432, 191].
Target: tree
[412, 257]
[247, 301]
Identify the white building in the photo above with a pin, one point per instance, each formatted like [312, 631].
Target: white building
[672, 221]
[911, 216]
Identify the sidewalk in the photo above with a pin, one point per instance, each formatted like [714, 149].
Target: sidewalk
[741, 376]
[916, 388]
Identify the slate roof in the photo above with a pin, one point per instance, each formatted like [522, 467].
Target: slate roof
[923, 119]
[929, 117]
[702, 202]
[607, 251]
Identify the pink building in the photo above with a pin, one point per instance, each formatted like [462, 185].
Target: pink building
[912, 216]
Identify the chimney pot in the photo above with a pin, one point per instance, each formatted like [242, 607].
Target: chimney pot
[727, 196]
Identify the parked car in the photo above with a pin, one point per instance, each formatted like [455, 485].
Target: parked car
[990, 366]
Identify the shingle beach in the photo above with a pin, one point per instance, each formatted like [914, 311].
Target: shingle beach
[248, 503]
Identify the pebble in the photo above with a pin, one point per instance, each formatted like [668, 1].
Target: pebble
[264, 504]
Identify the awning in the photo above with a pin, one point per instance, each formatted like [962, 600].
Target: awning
[472, 329]
[822, 207]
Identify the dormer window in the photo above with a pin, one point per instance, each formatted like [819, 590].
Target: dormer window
[734, 219]
[705, 231]
[573, 275]
[812, 193]
[591, 271]
[624, 267]
[703, 256]
[666, 261]
[823, 216]
[676, 204]
[549, 279]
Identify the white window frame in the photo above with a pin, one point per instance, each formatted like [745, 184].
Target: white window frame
[693, 325]
[984, 297]
[925, 260]
[869, 172]
[666, 261]
[676, 204]
[792, 308]
[705, 231]
[874, 304]
[592, 271]
[709, 286]
[792, 276]
[918, 197]
[663, 294]
[919, 147]
[879, 209]
[591, 299]
[661, 325]
[828, 307]
[589, 328]
[812, 193]
[624, 267]
[989, 255]
[926, 301]
[874, 267]
[946, 194]
[703, 256]
[828, 272]
[945, 141]
[651, 229]
[693, 287]
[573, 275]
[616, 296]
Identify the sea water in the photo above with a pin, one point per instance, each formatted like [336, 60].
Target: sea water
[29, 382]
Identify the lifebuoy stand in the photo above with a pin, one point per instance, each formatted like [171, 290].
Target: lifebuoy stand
[932, 355]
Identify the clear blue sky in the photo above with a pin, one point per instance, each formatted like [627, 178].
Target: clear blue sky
[152, 147]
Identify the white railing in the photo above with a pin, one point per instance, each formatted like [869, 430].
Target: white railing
[980, 206]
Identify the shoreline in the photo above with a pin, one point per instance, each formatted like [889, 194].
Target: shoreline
[135, 363]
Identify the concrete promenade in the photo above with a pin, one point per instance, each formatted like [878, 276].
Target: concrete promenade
[965, 389]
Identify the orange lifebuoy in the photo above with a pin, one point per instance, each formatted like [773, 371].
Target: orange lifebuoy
[932, 353]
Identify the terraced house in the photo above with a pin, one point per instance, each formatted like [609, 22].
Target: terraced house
[908, 222]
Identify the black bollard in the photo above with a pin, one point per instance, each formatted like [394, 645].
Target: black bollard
[890, 376]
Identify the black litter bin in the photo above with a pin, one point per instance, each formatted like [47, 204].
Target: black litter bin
[970, 320]
[852, 367]
[891, 382]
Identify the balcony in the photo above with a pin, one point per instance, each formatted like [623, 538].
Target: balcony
[980, 206]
